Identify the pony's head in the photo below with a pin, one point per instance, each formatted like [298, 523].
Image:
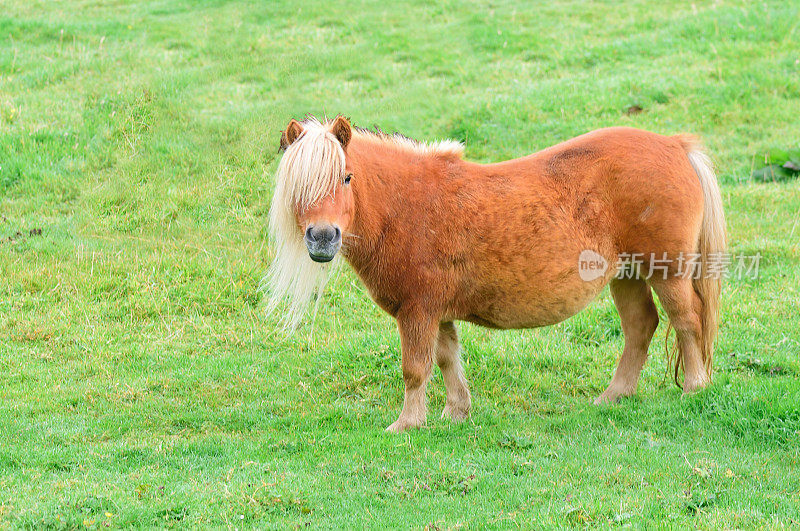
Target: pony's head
[312, 209]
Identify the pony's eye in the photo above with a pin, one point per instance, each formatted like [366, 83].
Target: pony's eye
[347, 178]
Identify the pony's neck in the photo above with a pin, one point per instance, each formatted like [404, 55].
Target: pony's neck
[384, 175]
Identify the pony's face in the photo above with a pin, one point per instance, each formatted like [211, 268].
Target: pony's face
[314, 184]
[324, 222]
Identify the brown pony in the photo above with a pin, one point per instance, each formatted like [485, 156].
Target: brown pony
[517, 244]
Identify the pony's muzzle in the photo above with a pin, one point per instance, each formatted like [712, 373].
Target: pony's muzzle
[323, 242]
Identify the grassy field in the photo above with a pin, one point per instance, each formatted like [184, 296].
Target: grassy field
[141, 383]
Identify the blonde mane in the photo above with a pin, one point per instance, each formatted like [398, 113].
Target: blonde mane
[309, 170]
[438, 147]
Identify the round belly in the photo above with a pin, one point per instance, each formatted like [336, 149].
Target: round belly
[533, 306]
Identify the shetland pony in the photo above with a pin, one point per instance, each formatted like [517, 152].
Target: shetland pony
[436, 239]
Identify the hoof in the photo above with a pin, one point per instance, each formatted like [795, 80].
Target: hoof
[458, 413]
[605, 399]
[612, 396]
[401, 425]
[694, 386]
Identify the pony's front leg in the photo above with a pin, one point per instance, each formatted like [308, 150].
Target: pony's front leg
[417, 341]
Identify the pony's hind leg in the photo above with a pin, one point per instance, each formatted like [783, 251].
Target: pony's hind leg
[449, 361]
[684, 309]
[639, 318]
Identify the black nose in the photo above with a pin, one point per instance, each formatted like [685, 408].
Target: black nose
[323, 242]
[323, 234]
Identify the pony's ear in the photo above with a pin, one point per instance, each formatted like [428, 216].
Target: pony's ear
[293, 130]
[341, 130]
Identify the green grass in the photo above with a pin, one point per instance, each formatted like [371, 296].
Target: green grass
[141, 383]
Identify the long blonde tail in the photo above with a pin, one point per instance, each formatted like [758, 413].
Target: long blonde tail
[711, 245]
